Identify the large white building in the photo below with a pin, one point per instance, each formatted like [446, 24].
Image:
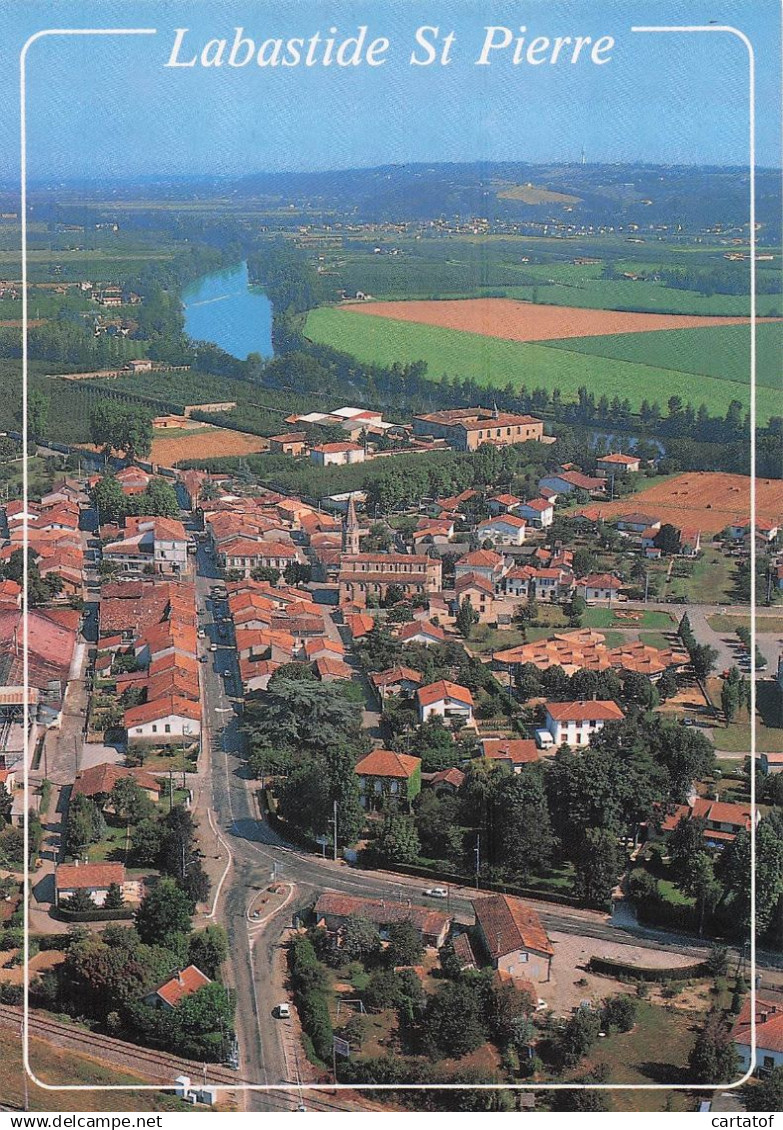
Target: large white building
[574, 723]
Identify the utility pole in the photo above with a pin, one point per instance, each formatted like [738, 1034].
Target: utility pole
[334, 822]
[646, 585]
[477, 853]
[171, 787]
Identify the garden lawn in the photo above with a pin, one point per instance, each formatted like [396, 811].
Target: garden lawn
[484, 640]
[736, 738]
[609, 618]
[489, 360]
[765, 625]
[656, 1050]
[111, 847]
[710, 582]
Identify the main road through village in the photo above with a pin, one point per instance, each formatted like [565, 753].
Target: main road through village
[259, 856]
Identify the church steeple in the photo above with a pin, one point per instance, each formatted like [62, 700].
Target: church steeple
[351, 529]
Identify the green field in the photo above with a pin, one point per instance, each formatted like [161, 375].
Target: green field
[489, 360]
[714, 351]
[645, 297]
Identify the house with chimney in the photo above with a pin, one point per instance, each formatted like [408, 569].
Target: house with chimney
[171, 992]
[514, 938]
[769, 1036]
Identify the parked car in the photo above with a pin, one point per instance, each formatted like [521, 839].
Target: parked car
[437, 892]
[283, 1011]
[213, 647]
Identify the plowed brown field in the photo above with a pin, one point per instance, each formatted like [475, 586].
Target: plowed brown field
[523, 321]
[701, 500]
[174, 445]
[208, 441]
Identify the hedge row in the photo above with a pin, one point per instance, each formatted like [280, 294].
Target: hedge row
[309, 983]
[451, 877]
[638, 973]
[97, 915]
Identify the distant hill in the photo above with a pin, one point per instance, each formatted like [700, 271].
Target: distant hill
[690, 198]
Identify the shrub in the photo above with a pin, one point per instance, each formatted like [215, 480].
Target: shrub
[619, 1012]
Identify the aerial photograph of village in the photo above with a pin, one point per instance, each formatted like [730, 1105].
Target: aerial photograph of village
[391, 640]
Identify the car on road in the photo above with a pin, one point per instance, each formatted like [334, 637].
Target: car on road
[201, 633]
[226, 674]
[202, 659]
[283, 1011]
[689, 722]
[437, 892]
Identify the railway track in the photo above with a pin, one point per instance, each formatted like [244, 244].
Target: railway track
[160, 1067]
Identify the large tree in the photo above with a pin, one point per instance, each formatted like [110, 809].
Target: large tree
[597, 867]
[163, 914]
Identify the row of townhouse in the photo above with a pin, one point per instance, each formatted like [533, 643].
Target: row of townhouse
[53, 533]
[153, 621]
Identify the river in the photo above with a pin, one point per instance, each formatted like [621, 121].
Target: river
[225, 309]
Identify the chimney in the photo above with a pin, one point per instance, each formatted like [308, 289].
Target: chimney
[179, 977]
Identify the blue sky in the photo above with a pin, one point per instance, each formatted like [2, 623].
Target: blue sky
[100, 107]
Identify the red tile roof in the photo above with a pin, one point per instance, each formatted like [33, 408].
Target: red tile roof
[600, 581]
[101, 779]
[431, 923]
[71, 876]
[591, 710]
[162, 708]
[769, 1026]
[387, 763]
[394, 675]
[421, 627]
[182, 984]
[519, 751]
[483, 558]
[441, 690]
[509, 924]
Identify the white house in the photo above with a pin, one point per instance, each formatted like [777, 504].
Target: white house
[482, 562]
[618, 464]
[599, 586]
[336, 454]
[538, 512]
[92, 878]
[769, 1036]
[635, 522]
[574, 723]
[445, 700]
[507, 529]
[163, 721]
